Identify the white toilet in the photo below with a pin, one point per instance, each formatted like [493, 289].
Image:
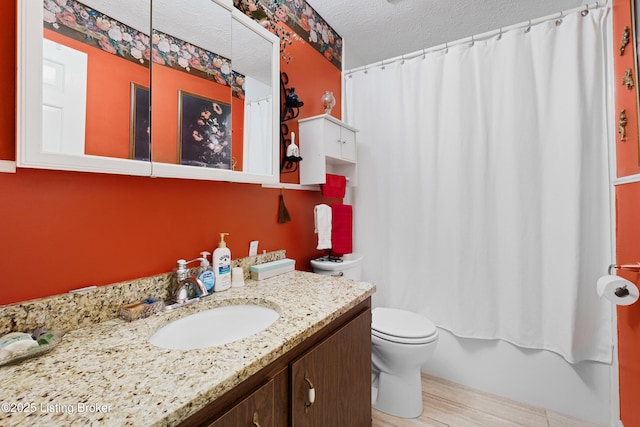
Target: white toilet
[401, 342]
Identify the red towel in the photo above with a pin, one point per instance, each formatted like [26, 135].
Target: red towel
[335, 186]
[341, 226]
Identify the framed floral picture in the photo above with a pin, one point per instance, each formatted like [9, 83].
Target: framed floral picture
[204, 132]
[140, 142]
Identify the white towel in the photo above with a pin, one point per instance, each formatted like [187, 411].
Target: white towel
[322, 223]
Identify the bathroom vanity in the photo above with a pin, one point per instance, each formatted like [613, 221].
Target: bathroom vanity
[312, 366]
[325, 381]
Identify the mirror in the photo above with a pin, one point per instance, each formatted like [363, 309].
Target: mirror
[252, 64]
[191, 81]
[111, 130]
[81, 66]
[202, 81]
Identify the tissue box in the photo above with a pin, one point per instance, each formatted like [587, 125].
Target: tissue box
[273, 268]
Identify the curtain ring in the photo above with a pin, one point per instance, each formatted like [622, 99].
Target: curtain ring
[500, 34]
[424, 54]
[559, 20]
[402, 60]
[446, 47]
[382, 65]
[472, 42]
[529, 27]
[585, 12]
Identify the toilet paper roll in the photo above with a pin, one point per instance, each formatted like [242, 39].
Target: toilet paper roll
[613, 289]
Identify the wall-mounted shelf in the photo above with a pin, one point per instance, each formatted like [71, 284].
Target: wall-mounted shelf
[287, 186]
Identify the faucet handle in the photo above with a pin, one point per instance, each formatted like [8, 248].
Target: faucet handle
[181, 270]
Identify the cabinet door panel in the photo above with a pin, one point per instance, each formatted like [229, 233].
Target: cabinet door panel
[333, 141]
[339, 370]
[256, 408]
[348, 138]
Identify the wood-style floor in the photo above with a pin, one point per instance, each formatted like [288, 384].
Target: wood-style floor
[447, 404]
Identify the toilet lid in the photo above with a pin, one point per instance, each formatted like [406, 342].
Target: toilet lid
[402, 326]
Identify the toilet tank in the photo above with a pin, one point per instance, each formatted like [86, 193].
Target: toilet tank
[349, 266]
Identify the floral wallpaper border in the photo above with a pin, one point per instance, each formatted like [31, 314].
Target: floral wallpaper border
[300, 17]
[80, 22]
[183, 56]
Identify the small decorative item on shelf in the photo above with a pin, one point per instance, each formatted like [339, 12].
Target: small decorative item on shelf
[289, 110]
[292, 157]
[328, 101]
[292, 99]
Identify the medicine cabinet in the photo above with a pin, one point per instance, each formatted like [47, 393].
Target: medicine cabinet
[165, 88]
[327, 146]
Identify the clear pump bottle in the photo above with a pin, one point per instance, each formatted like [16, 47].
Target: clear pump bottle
[205, 273]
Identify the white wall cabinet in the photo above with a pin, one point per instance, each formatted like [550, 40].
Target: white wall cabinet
[327, 145]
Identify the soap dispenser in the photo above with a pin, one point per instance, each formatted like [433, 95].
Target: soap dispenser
[222, 265]
[205, 273]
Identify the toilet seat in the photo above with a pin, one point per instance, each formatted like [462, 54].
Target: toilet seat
[402, 326]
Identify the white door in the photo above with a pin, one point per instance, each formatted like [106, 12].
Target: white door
[64, 98]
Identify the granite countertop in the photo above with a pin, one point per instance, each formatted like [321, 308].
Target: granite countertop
[108, 373]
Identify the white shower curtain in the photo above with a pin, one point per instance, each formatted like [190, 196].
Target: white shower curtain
[257, 136]
[483, 200]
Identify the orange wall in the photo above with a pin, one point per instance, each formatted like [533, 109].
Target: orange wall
[64, 230]
[109, 79]
[628, 252]
[309, 64]
[627, 220]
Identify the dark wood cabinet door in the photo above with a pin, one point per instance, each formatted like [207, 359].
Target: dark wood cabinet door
[331, 383]
[254, 411]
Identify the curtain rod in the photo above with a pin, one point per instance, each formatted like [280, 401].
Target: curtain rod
[264, 98]
[478, 37]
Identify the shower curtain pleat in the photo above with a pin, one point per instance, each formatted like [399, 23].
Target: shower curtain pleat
[483, 171]
[258, 123]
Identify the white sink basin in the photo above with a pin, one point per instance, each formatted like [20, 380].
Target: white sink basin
[214, 327]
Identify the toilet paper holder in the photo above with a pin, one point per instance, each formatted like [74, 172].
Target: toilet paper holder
[628, 267]
[623, 291]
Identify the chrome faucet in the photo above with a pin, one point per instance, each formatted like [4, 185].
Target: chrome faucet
[181, 284]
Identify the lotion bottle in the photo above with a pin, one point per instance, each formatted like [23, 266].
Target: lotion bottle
[205, 273]
[222, 265]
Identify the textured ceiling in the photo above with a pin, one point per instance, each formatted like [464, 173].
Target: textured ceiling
[374, 30]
